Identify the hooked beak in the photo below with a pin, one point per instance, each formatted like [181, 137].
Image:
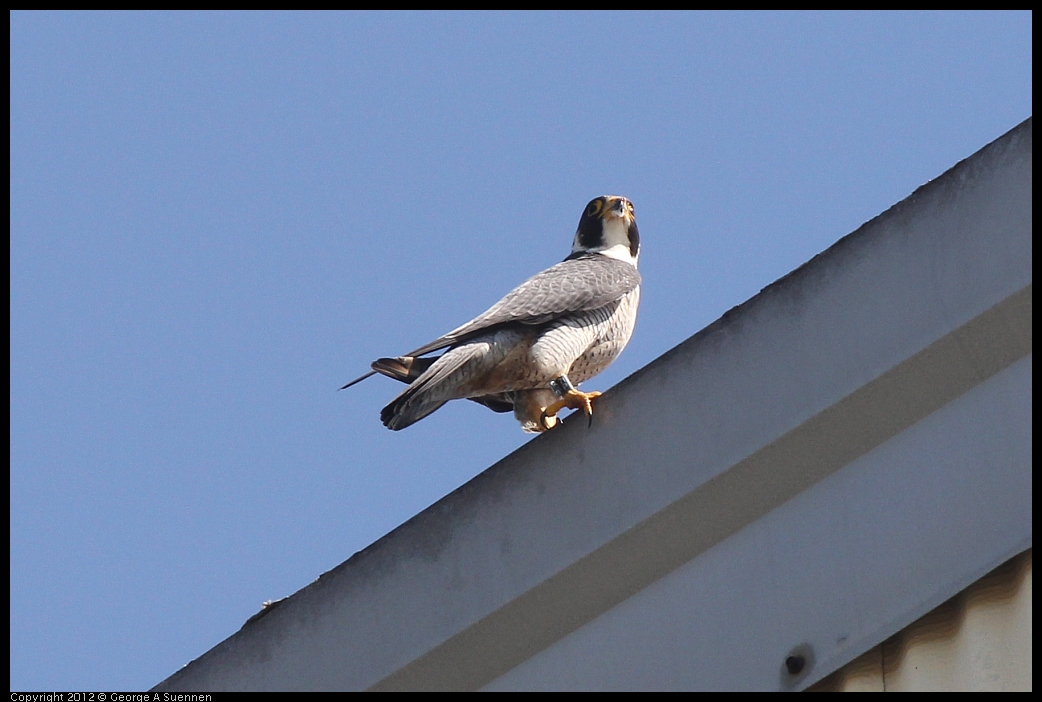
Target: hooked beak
[618, 209]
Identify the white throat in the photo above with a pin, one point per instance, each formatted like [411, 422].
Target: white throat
[619, 251]
[616, 242]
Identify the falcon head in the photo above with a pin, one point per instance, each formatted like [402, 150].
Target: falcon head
[609, 227]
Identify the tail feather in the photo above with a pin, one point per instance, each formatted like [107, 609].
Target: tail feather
[358, 379]
[403, 368]
[428, 391]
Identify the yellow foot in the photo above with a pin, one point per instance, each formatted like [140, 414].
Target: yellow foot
[573, 399]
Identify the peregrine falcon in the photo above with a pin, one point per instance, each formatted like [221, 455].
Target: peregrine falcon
[531, 349]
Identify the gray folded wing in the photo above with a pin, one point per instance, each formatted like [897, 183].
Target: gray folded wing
[576, 284]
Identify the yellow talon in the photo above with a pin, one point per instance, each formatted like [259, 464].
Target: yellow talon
[573, 399]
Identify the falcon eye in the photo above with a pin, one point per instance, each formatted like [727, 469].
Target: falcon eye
[594, 208]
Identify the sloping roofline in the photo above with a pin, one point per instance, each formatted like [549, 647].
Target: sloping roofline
[802, 468]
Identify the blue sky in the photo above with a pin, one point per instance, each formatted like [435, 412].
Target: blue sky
[218, 219]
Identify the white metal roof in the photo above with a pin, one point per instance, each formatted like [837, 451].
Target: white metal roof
[785, 489]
